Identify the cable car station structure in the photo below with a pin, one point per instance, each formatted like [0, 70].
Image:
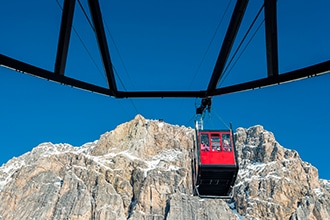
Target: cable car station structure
[272, 78]
[214, 162]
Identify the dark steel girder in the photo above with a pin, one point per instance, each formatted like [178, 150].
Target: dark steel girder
[162, 94]
[271, 37]
[45, 74]
[227, 44]
[64, 37]
[310, 71]
[272, 59]
[102, 43]
[23, 67]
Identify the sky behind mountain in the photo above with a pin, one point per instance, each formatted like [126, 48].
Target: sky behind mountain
[163, 45]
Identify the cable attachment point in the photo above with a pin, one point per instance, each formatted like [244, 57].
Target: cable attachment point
[205, 104]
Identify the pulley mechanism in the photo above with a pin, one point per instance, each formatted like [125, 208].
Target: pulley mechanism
[205, 104]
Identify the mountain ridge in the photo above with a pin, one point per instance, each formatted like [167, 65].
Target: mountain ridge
[142, 170]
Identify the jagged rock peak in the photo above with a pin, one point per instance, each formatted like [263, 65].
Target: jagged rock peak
[144, 138]
[142, 170]
[258, 145]
[274, 183]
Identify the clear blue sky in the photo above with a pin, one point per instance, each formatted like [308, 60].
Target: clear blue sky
[162, 45]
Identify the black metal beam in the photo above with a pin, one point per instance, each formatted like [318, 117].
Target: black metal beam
[102, 43]
[271, 37]
[162, 94]
[227, 44]
[314, 70]
[310, 71]
[64, 37]
[45, 74]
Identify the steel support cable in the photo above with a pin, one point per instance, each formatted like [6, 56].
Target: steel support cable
[220, 118]
[89, 54]
[235, 53]
[209, 45]
[106, 25]
[86, 16]
[115, 71]
[93, 28]
[134, 106]
[119, 55]
[210, 120]
[187, 123]
[83, 44]
[243, 50]
[241, 43]
[210, 116]
[125, 69]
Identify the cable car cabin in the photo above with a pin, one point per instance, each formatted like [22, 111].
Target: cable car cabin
[215, 164]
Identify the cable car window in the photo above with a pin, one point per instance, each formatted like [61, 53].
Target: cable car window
[205, 143]
[226, 142]
[215, 138]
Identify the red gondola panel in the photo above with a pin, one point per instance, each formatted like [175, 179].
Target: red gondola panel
[216, 148]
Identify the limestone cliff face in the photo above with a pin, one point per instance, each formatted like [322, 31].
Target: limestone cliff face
[142, 170]
[274, 183]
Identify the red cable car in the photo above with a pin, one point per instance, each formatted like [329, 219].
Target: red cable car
[215, 164]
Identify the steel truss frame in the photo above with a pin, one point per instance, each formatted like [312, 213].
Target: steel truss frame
[273, 77]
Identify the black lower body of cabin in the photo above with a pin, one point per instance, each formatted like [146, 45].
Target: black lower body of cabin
[215, 180]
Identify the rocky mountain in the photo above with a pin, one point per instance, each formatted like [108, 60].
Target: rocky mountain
[142, 170]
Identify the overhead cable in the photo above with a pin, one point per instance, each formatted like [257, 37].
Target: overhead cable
[209, 45]
[241, 43]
